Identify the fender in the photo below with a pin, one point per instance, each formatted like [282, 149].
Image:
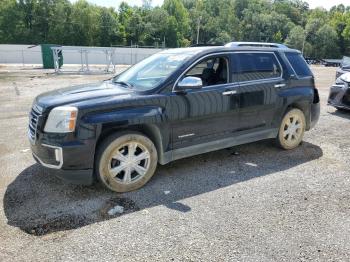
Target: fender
[127, 116]
[146, 119]
[306, 93]
[299, 97]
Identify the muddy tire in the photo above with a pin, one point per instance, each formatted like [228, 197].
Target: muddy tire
[292, 129]
[126, 161]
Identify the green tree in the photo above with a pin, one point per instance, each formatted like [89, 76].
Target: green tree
[62, 32]
[155, 27]
[109, 30]
[85, 20]
[326, 43]
[296, 38]
[180, 20]
[134, 28]
[316, 31]
[172, 36]
[339, 23]
[12, 27]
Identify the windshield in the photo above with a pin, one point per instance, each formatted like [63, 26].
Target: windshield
[345, 62]
[151, 71]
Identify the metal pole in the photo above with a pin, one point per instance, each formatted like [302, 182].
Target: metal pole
[112, 60]
[81, 60]
[131, 53]
[87, 61]
[107, 61]
[136, 53]
[55, 59]
[22, 58]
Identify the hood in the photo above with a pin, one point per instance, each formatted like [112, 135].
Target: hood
[80, 93]
[345, 63]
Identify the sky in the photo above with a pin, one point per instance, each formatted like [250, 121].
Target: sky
[115, 3]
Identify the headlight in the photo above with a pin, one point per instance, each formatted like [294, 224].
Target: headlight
[345, 77]
[61, 119]
[339, 81]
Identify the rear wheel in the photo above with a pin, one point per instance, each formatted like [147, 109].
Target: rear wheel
[126, 161]
[292, 129]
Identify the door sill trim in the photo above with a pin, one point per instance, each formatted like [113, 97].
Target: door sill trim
[219, 144]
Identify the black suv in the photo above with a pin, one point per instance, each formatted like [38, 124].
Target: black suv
[174, 104]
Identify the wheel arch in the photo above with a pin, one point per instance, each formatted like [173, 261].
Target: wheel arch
[305, 107]
[301, 98]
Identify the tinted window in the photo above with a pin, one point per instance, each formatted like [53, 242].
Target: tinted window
[212, 71]
[299, 65]
[255, 66]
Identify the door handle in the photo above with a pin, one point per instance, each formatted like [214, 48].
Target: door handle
[229, 93]
[280, 85]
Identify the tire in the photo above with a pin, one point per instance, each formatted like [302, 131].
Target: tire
[292, 129]
[126, 161]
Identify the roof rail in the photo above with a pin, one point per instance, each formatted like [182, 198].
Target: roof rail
[200, 45]
[255, 44]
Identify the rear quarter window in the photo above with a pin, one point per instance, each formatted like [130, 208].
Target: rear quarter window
[299, 64]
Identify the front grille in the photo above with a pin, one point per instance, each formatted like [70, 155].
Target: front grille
[34, 115]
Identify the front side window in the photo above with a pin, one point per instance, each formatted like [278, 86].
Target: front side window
[152, 71]
[212, 71]
[255, 66]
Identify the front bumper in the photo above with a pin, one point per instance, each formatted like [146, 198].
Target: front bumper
[78, 177]
[339, 96]
[67, 158]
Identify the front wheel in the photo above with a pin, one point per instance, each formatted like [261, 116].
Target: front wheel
[292, 129]
[126, 161]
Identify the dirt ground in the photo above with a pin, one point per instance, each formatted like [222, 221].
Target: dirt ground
[252, 202]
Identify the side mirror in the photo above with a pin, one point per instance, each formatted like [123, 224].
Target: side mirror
[189, 82]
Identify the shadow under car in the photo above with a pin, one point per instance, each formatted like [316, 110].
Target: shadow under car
[39, 203]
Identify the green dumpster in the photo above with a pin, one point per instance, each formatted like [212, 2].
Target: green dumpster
[47, 56]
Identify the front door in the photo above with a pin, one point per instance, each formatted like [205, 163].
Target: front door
[208, 114]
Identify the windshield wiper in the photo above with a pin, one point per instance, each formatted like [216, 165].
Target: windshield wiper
[123, 83]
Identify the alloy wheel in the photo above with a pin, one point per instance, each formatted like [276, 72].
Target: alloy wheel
[292, 129]
[129, 163]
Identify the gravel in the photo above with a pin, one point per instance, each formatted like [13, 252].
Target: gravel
[252, 202]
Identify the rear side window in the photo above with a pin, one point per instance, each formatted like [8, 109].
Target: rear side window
[299, 64]
[255, 66]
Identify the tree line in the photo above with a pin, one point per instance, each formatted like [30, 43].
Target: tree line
[318, 32]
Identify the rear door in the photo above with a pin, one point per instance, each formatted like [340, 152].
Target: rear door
[259, 75]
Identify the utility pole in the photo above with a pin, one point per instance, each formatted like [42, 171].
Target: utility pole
[302, 50]
[199, 23]
[307, 34]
